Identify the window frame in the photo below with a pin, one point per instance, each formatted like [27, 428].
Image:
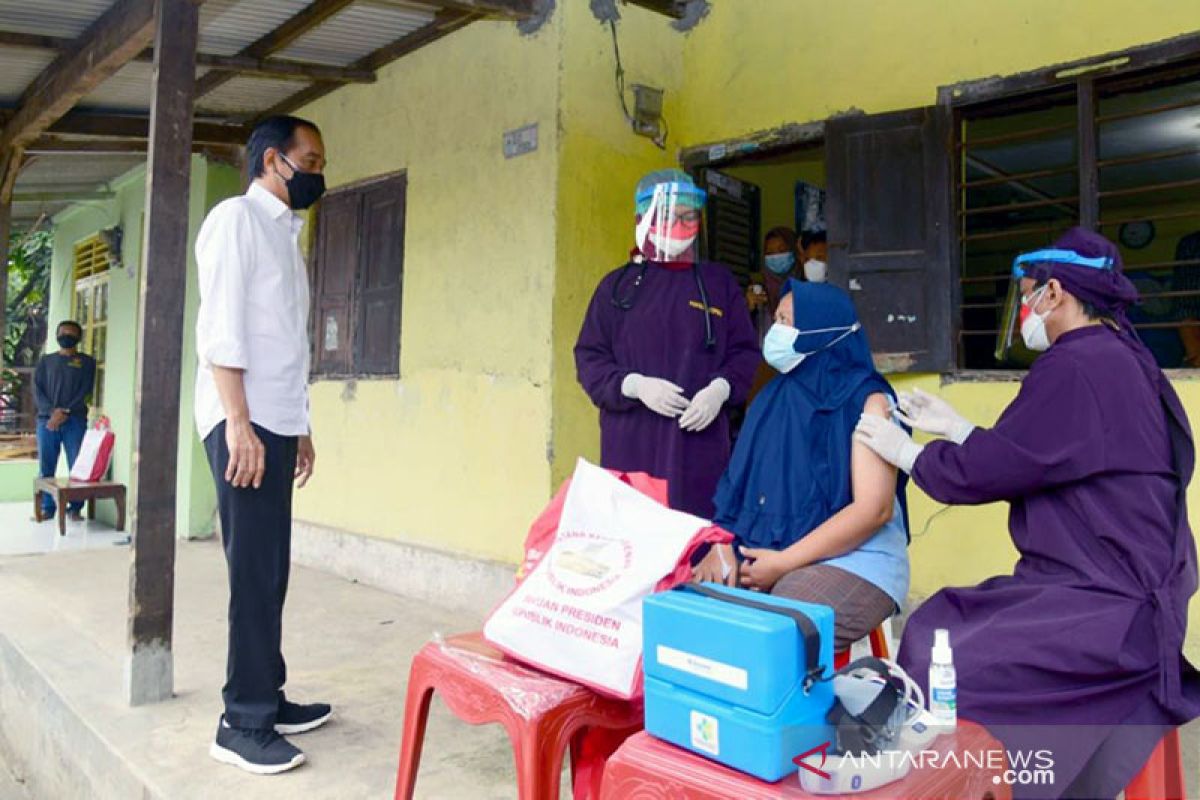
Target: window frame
[93, 278]
[1084, 73]
[316, 335]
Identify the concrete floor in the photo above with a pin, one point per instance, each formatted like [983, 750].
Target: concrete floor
[20, 535]
[346, 644]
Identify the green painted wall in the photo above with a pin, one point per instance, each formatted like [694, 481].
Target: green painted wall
[195, 499]
[16, 480]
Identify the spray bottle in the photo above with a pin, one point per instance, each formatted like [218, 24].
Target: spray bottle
[943, 683]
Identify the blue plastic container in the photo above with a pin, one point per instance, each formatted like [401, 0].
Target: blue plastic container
[727, 682]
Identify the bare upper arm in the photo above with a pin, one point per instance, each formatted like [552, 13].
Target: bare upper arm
[873, 480]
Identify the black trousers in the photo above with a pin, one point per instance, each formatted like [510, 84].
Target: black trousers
[256, 528]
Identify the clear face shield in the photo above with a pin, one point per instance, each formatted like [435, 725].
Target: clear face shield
[1016, 310]
[668, 221]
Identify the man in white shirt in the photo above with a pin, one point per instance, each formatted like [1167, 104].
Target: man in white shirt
[252, 413]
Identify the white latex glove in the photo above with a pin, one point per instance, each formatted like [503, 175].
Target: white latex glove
[888, 440]
[932, 414]
[705, 406]
[658, 395]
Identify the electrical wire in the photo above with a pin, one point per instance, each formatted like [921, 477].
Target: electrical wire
[620, 76]
[929, 521]
[660, 139]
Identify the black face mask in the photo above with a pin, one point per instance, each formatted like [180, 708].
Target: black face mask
[304, 188]
[67, 342]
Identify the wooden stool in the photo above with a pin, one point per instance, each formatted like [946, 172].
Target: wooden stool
[65, 491]
[649, 769]
[542, 714]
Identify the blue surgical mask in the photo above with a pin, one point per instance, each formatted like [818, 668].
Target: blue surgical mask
[780, 263]
[779, 348]
[779, 345]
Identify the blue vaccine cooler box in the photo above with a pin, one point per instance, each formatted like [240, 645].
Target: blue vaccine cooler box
[725, 676]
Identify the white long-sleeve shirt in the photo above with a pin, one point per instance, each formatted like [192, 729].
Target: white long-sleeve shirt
[253, 312]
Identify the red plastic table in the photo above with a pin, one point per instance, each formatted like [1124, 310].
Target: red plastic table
[645, 768]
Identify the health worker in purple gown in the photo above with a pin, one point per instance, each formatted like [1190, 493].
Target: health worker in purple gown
[666, 348]
[1078, 653]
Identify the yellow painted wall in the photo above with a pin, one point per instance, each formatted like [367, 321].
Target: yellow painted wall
[756, 64]
[502, 256]
[601, 161]
[453, 455]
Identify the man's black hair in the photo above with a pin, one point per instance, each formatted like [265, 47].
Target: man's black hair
[810, 237]
[278, 132]
[70, 322]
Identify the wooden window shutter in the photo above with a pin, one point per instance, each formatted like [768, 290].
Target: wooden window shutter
[337, 262]
[889, 226]
[381, 273]
[734, 212]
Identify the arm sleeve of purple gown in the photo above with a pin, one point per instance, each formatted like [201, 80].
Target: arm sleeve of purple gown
[595, 363]
[742, 354]
[1052, 434]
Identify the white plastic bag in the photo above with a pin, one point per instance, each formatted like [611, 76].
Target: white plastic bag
[578, 613]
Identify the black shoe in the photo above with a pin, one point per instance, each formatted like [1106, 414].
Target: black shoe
[296, 718]
[261, 751]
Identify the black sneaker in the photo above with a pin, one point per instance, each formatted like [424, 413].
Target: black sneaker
[296, 718]
[261, 751]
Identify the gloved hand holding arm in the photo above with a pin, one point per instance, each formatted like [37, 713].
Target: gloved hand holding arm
[705, 406]
[658, 395]
[888, 440]
[926, 412]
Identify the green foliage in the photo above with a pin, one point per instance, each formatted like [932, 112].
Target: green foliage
[29, 263]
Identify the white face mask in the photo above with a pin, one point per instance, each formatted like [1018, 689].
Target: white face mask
[814, 271]
[1033, 329]
[668, 246]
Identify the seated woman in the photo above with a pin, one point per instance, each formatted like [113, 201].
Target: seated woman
[817, 516]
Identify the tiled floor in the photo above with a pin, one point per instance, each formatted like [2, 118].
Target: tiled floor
[20, 535]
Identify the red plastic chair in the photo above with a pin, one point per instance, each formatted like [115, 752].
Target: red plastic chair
[879, 648]
[543, 715]
[1162, 776]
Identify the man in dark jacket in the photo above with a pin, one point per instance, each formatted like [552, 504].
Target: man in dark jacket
[63, 382]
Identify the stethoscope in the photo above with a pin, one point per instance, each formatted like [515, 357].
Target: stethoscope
[625, 303]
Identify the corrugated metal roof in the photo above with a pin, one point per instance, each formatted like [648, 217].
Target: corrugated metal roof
[358, 30]
[228, 26]
[73, 173]
[51, 17]
[19, 67]
[76, 170]
[245, 96]
[128, 90]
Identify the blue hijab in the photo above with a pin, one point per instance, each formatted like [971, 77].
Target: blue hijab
[790, 469]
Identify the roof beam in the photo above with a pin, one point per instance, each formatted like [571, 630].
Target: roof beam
[116, 37]
[81, 123]
[507, 9]
[444, 22]
[242, 65]
[56, 145]
[287, 33]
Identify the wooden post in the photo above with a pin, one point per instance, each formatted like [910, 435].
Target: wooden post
[149, 675]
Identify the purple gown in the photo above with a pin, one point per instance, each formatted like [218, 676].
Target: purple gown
[662, 335]
[1079, 651]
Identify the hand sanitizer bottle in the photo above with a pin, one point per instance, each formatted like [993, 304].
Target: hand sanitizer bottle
[943, 686]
